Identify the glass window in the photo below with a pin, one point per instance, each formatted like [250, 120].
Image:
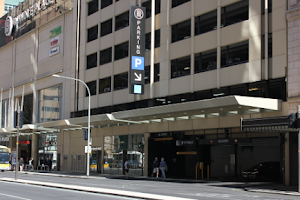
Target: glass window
[93, 6]
[238, 90]
[181, 31]
[258, 89]
[270, 45]
[148, 6]
[148, 75]
[106, 27]
[277, 89]
[92, 86]
[105, 3]
[235, 13]
[122, 21]
[121, 51]
[203, 95]
[206, 61]
[104, 85]
[206, 22]
[180, 67]
[148, 40]
[4, 113]
[235, 54]
[121, 81]
[50, 98]
[28, 108]
[270, 5]
[92, 33]
[105, 56]
[178, 2]
[91, 61]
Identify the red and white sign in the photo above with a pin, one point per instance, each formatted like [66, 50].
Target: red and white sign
[54, 41]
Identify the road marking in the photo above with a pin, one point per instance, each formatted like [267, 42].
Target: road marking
[13, 196]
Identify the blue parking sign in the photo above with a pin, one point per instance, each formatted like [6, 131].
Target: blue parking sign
[137, 63]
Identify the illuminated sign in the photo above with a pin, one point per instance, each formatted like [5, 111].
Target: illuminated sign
[54, 51]
[25, 142]
[137, 49]
[54, 41]
[12, 24]
[55, 32]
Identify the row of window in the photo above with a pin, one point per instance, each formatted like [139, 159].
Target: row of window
[93, 6]
[121, 51]
[231, 14]
[275, 88]
[230, 55]
[120, 81]
[204, 61]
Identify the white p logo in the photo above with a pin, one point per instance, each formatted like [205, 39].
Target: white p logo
[137, 62]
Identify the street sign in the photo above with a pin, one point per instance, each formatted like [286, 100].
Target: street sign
[137, 49]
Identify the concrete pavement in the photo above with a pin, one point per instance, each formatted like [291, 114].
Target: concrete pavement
[270, 188]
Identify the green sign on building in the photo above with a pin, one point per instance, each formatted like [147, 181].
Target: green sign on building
[55, 32]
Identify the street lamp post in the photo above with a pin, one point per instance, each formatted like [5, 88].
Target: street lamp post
[89, 121]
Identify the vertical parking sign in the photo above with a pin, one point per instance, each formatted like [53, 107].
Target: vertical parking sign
[137, 49]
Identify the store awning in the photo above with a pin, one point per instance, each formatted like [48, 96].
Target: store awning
[222, 106]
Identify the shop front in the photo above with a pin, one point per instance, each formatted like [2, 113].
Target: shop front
[118, 148]
[47, 150]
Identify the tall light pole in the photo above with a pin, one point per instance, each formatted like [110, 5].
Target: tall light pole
[89, 121]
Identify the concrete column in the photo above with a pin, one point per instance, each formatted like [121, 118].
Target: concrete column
[34, 149]
[233, 160]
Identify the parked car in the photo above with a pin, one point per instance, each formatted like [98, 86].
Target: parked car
[263, 171]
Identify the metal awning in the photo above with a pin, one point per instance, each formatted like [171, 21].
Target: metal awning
[222, 106]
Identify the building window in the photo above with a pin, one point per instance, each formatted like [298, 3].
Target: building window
[121, 51]
[92, 33]
[93, 6]
[176, 3]
[206, 22]
[105, 56]
[106, 27]
[105, 85]
[91, 61]
[181, 67]
[148, 74]
[181, 31]
[122, 21]
[121, 81]
[52, 98]
[270, 46]
[148, 6]
[235, 13]
[235, 54]
[92, 86]
[148, 40]
[206, 61]
[105, 3]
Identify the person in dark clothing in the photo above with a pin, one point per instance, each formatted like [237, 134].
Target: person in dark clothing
[155, 167]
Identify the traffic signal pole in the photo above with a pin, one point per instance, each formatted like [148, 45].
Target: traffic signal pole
[17, 144]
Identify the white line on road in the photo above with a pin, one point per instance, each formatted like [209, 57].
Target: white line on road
[14, 196]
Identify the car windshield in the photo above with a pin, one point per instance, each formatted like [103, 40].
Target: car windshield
[4, 158]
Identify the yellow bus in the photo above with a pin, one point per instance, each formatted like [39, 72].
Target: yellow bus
[5, 158]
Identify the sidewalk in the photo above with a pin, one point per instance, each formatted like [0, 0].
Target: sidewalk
[261, 187]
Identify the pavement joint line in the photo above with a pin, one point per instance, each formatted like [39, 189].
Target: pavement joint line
[272, 191]
[98, 190]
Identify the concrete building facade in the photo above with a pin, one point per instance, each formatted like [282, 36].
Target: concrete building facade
[210, 64]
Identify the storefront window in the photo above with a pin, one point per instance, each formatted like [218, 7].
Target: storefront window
[50, 101]
[119, 148]
[47, 154]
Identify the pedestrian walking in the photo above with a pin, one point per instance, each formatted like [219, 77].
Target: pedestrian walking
[21, 163]
[163, 167]
[155, 168]
[127, 166]
[30, 162]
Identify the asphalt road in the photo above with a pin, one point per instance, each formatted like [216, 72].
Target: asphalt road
[201, 191]
[10, 191]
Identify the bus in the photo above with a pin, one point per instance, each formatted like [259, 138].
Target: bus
[5, 158]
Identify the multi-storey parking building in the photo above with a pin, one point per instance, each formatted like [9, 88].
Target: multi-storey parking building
[208, 65]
